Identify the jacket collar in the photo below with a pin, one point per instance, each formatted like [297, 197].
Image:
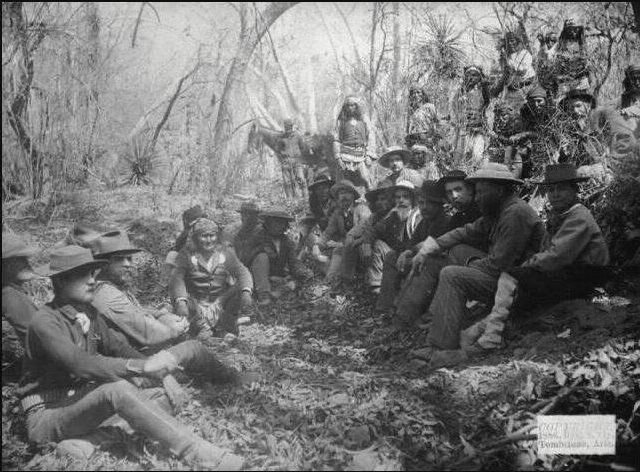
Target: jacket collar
[69, 311]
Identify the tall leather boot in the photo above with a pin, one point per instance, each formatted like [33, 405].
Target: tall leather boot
[487, 333]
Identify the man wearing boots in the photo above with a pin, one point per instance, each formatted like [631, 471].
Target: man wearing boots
[509, 228]
[569, 264]
[81, 373]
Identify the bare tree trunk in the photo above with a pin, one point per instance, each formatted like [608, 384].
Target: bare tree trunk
[396, 44]
[350, 31]
[93, 62]
[17, 116]
[311, 96]
[252, 30]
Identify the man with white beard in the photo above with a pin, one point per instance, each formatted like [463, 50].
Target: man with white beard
[392, 233]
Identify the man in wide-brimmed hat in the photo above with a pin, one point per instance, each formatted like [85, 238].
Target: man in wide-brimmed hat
[115, 299]
[393, 233]
[460, 195]
[350, 212]
[273, 253]
[509, 229]
[17, 308]
[433, 222]
[81, 373]
[397, 160]
[568, 265]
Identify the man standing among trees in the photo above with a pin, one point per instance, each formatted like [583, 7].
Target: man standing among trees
[289, 148]
[354, 144]
[468, 117]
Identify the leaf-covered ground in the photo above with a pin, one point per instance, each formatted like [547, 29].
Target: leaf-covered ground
[340, 389]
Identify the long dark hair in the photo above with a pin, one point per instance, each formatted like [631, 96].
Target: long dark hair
[343, 110]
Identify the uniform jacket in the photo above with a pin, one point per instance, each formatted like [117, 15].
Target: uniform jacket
[574, 239]
[63, 355]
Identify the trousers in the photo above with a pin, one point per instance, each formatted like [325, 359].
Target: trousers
[456, 286]
[227, 320]
[146, 411]
[418, 290]
[379, 253]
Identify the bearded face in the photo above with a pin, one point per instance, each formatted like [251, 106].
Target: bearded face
[537, 105]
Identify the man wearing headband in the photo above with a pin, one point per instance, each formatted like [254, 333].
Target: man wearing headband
[202, 288]
[468, 117]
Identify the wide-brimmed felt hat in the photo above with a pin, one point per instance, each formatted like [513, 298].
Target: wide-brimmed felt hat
[432, 191]
[320, 180]
[452, 175]
[583, 95]
[14, 246]
[403, 185]
[558, 173]
[276, 214]
[114, 243]
[249, 207]
[70, 258]
[405, 154]
[345, 185]
[494, 172]
[371, 195]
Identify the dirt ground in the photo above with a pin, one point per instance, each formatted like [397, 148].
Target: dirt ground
[340, 389]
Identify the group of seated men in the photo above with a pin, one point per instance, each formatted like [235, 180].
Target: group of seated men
[94, 351]
[428, 250]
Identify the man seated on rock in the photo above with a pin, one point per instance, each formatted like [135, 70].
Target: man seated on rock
[398, 263]
[392, 234]
[510, 229]
[81, 373]
[349, 213]
[568, 265]
[397, 159]
[210, 285]
[417, 288]
[17, 308]
[114, 297]
[250, 227]
[273, 254]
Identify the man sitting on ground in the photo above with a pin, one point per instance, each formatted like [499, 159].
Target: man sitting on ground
[349, 213]
[569, 264]
[397, 264]
[392, 234]
[272, 254]
[461, 197]
[250, 228]
[17, 308]
[114, 296]
[210, 286]
[80, 372]
[510, 229]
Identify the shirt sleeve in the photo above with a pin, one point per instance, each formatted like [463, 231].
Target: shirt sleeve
[470, 233]
[133, 320]
[51, 338]
[567, 244]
